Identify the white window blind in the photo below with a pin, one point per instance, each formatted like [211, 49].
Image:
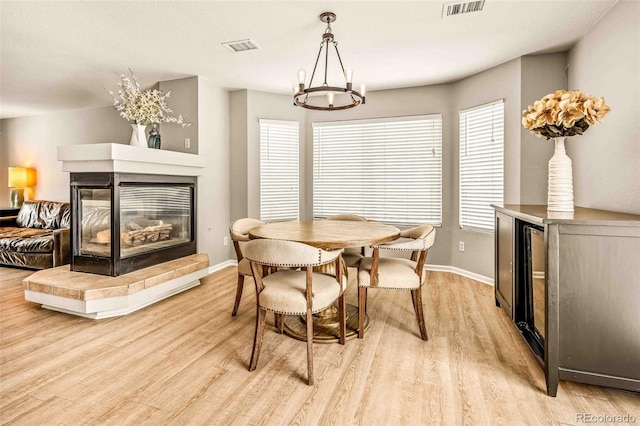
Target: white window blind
[481, 164]
[388, 170]
[279, 147]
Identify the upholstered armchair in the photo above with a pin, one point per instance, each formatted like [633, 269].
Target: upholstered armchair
[294, 291]
[239, 231]
[397, 273]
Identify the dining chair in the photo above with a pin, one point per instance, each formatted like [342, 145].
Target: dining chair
[294, 291]
[397, 273]
[352, 255]
[239, 231]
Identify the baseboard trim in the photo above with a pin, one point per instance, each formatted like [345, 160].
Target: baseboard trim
[461, 272]
[437, 268]
[219, 266]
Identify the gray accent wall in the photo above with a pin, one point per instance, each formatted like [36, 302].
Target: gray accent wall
[183, 100]
[540, 75]
[247, 108]
[33, 142]
[214, 185]
[606, 159]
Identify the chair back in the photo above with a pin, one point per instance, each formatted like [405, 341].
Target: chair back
[420, 238]
[288, 254]
[351, 217]
[239, 229]
[426, 233]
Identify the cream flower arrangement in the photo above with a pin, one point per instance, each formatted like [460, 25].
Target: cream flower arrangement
[564, 113]
[143, 107]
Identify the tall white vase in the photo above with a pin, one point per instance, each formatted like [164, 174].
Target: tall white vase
[560, 192]
[139, 136]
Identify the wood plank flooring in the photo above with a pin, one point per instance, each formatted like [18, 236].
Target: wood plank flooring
[184, 361]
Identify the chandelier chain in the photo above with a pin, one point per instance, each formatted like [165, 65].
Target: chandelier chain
[335, 44]
[316, 65]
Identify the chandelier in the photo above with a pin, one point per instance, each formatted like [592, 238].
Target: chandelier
[336, 97]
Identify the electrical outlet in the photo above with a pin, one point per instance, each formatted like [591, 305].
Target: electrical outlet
[225, 241]
[187, 143]
[461, 246]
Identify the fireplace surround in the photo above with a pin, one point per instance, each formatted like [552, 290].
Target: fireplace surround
[132, 207]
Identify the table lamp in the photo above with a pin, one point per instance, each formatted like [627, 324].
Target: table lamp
[19, 179]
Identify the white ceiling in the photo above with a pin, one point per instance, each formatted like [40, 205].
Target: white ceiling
[58, 56]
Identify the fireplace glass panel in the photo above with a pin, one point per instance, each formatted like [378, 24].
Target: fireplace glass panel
[95, 230]
[153, 217]
[123, 222]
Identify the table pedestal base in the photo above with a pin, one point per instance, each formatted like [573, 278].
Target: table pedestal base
[326, 325]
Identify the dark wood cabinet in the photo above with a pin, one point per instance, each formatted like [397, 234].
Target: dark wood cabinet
[504, 243]
[590, 330]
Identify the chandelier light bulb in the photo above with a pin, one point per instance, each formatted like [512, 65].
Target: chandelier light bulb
[301, 76]
[330, 96]
[348, 74]
[363, 90]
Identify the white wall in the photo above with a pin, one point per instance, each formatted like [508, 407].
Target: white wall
[606, 159]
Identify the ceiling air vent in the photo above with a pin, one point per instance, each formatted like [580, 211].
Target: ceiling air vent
[459, 8]
[241, 45]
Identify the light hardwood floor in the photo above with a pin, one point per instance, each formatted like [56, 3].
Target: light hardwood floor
[184, 361]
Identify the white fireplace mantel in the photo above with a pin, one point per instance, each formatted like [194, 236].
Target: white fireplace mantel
[120, 158]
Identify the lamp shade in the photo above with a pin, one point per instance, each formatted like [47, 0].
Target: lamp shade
[21, 177]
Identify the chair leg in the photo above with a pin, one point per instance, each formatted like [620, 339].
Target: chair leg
[366, 298]
[309, 347]
[342, 312]
[417, 304]
[280, 320]
[362, 300]
[261, 315]
[413, 301]
[238, 295]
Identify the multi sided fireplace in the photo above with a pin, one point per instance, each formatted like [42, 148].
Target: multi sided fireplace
[122, 222]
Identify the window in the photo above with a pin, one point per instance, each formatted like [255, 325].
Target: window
[279, 142]
[388, 170]
[481, 164]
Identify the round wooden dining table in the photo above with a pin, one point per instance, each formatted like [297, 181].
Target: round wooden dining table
[327, 235]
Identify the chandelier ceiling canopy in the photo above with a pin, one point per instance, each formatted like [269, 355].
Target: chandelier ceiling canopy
[336, 98]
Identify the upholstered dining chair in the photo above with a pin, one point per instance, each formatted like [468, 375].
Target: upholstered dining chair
[352, 255]
[293, 291]
[397, 273]
[239, 231]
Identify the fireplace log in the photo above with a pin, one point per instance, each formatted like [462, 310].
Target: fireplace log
[147, 235]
